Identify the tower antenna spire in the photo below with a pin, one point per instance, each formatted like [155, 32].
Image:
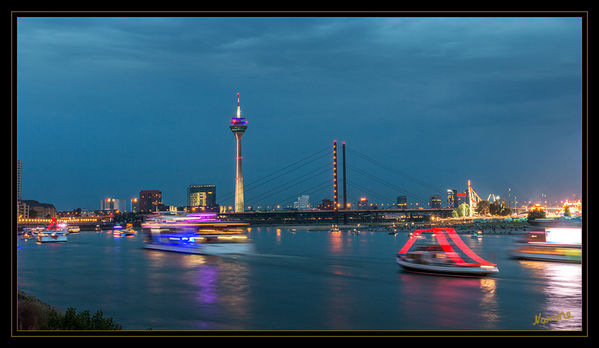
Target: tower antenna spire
[238, 126]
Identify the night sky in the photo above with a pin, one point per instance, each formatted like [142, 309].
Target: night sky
[108, 107]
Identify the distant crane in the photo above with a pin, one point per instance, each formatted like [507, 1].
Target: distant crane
[473, 198]
[492, 195]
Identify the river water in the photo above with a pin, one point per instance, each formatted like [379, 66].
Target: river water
[297, 279]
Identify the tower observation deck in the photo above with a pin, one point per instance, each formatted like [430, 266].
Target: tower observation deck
[238, 127]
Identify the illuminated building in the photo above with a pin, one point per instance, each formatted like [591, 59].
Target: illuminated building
[435, 201]
[302, 203]
[135, 204]
[574, 208]
[19, 188]
[402, 202]
[149, 200]
[238, 127]
[537, 207]
[111, 204]
[22, 207]
[40, 210]
[452, 198]
[201, 196]
[326, 204]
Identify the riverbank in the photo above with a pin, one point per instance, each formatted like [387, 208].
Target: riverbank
[491, 227]
[34, 314]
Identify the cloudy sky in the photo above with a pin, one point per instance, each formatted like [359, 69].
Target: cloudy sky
[111, 106]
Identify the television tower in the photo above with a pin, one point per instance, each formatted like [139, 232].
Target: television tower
[238, 127]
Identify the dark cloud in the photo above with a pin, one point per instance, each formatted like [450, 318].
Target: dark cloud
[149, 101]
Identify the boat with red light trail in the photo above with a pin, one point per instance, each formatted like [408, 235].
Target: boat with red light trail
[440, 257]
[201, 233]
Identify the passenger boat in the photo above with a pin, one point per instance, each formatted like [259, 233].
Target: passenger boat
[53, 233]
[74, 229]
[127, 231]
[554, 244]
[335, 229]
[201, 233]
[441, 257]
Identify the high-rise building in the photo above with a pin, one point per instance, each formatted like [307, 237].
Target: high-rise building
[435, 201]
[19, 183]
[22, 207]
[238, 127]
[135, 204]
[112, 204]
[149, 200]
[452, 198]
[302, 203]
[326, 204]
[201, 196]
[402, 202]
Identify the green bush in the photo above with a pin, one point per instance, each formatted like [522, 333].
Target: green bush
[536, 214]
[34, 314]
[72, 320]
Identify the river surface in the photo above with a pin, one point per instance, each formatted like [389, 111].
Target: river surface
[297, 279]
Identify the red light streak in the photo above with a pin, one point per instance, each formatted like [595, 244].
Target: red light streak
[449, 250]
[458, 241]
[439, 234]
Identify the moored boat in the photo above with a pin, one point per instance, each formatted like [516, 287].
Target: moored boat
[441, 257]
[335, 229]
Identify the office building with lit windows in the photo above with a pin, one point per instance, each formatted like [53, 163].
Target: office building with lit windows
[201, 196]
[149, 200]
[435, 201]
[452, 198]
[135, 204]
[302, 203]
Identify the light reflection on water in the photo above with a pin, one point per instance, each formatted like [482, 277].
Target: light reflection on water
[561, 289]
[297, 280]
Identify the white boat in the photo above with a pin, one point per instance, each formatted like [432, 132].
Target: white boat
[48, 236]
[441, 258]
[433, 259]
[55, 232]
[199, 233]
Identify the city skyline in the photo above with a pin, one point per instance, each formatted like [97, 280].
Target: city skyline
[111, 107]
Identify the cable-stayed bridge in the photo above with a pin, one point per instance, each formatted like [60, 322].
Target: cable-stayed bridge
[270, 198]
